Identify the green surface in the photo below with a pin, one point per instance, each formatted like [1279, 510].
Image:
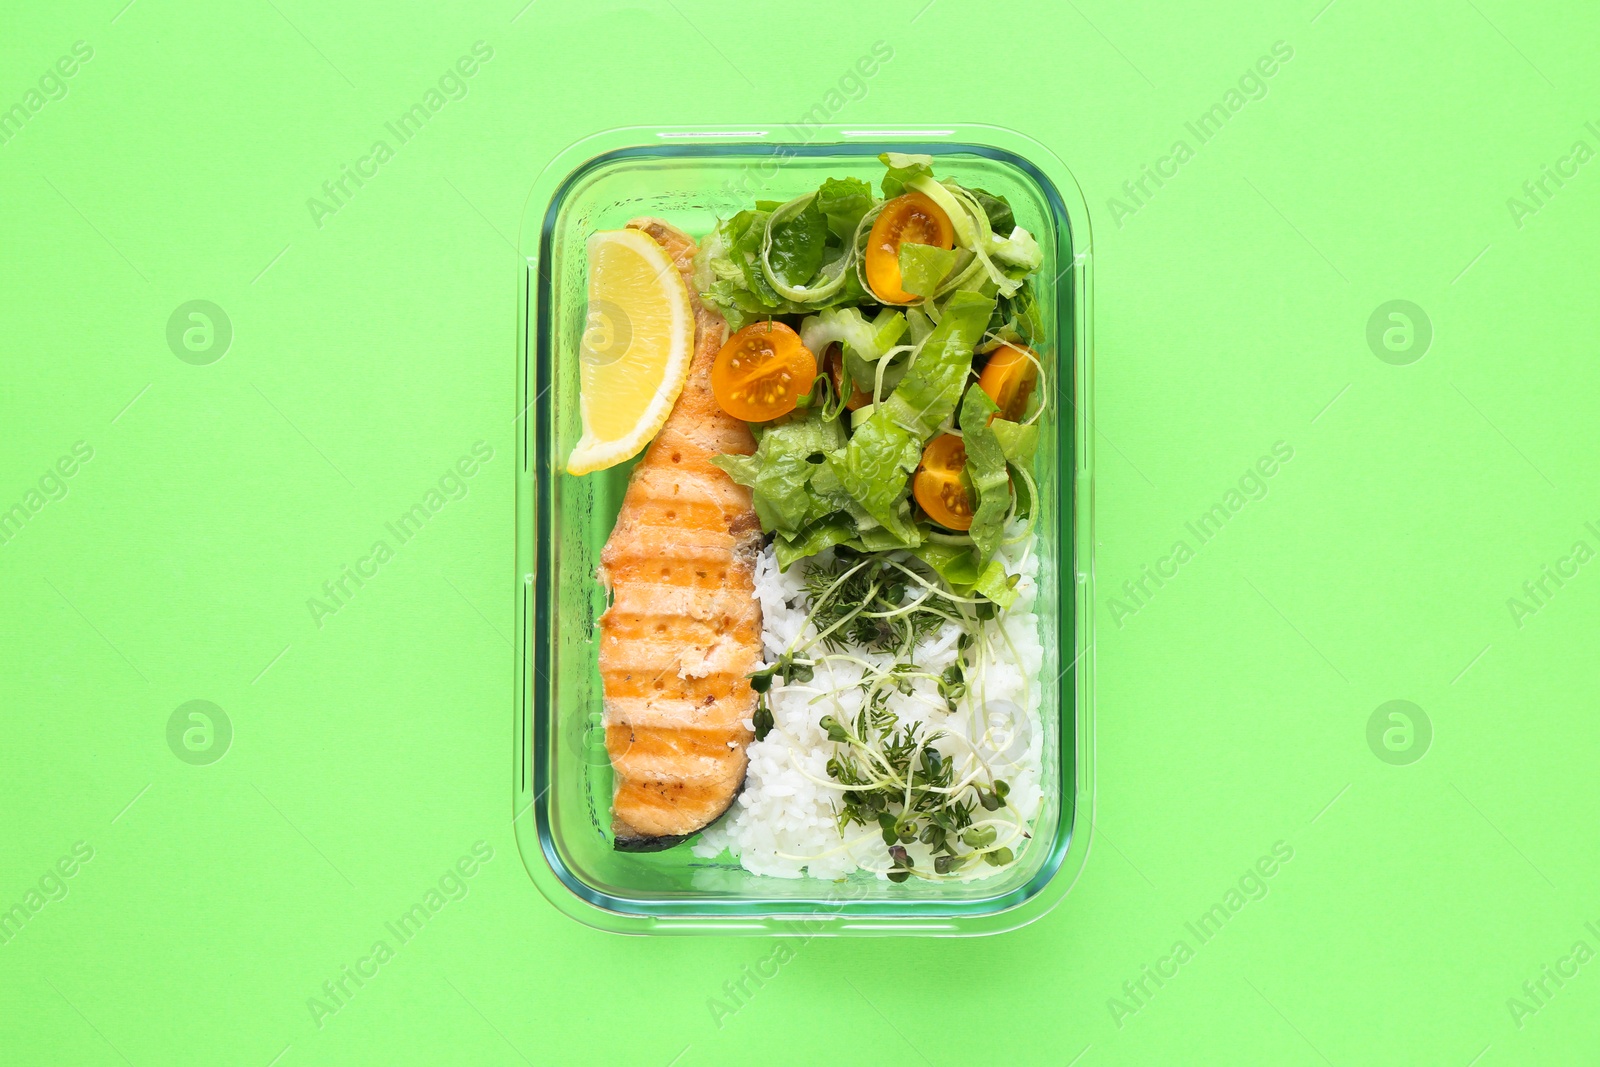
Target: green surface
[368, 355]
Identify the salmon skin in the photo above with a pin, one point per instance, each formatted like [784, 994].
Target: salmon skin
[684, 628]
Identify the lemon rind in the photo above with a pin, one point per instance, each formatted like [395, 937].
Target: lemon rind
[593, 454]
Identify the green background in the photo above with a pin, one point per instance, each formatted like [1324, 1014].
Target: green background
[368, 354]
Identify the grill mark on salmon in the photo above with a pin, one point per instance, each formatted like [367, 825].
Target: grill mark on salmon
[648, 626]
[683, 628]
[709, 691]
[662, 755]
[722, 608]
[657, 712]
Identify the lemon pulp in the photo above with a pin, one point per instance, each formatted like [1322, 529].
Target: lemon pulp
[636, 349]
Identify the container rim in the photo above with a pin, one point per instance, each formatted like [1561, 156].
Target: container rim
[821, 914]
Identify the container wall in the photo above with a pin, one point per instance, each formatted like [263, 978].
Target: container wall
[564, 777]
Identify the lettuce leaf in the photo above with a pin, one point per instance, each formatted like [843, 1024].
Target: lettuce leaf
[972, 229]
[959, 568]
[835, 529]
[842, 202]
[1017, 249]
[829, 494]
[716, 274]
[918, 324]
[928, 394]
[966, 219]
[1016, 318]
[997, 209]
[1017, 441]
[875, 467]
[986, 470]
[727, 269]
[798, 240]
[953, 563]
[730, 276]
[747, 230]
[813, 486]
[903, 169]
[865, 340]
[997, 585]
[923, 267]
[1021, 485]
[877, 538]
[779, 474]
[865, 374]
[864, 343]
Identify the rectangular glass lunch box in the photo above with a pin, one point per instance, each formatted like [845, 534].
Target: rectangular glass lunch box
[562, 776]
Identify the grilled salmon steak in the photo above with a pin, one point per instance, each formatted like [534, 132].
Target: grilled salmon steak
[684, 628]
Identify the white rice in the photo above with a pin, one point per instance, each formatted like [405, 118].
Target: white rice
[783, 823]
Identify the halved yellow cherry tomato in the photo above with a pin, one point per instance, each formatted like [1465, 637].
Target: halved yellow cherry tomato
[1009, 378]
[938, 486]
[856, 398]
[761, 372]
[913, 217]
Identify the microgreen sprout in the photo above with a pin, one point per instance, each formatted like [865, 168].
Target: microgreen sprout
[896, 778]
[893, 777]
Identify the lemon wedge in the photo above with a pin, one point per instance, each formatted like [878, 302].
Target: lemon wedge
[636, 348]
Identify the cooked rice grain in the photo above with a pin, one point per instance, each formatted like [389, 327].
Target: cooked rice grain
[783, 823]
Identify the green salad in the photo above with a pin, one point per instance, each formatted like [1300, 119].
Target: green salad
[885, 353]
